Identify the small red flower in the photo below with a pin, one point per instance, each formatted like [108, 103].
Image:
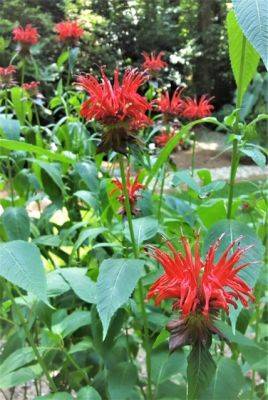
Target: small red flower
[153, 62]
[119, 107]
[26, 37]
[69, 31]
[6, 76]
[162, 139]
[31, 88]
[133, 187]
[171, 106]
[199, 289]
[193, 109]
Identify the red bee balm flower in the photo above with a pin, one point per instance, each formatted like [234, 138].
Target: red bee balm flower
[69, 31]
[117, 106]
[200, 288]
[153, 62]
[6, 76]
[162, 139]
[26, 37]
[170, 106]
[193, 109]
[31, 88]
[133, 187]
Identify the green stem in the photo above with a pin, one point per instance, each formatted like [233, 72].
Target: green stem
[161, 192]
[76, 366]
[10, 179]
[146, 342]
[6, 103]
[31, 341]
[235, 152]
[22, 71]
[69, 69]
[193, 156]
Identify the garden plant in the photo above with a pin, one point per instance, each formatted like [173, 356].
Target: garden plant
[123, 277]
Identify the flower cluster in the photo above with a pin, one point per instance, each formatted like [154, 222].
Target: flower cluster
[7, 76]
[133, 187]
[193, 109]
[199, 288]
[162, 139]
[25, 37]
[119, 107]
[170, 106]
[32, 88]
[69, 32]
[152, 62]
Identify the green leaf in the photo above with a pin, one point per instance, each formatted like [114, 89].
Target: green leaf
[16, 223]
[71, 323]
[165, 366]
[89, 198]
[255, 154]
[51, 170]
[20, 263]
[88, 393]
[19, 376]
[17, 360]
[181, 208]
[10, 128]
[55, 396]
[162, 337]
[121, 381]
[251, 57]
[144, 229]
[256, 357]
[56, 285]
[228, 380]
[62, 58]
[185, 177]
[88, 173]
[21, 146]
[116, 281]
[20, 104]
[211, 211]
[253, 19]
[88, 234]
[200, 371]
[81, 284]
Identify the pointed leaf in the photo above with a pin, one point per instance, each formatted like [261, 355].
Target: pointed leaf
[16, 223]
[144, 229]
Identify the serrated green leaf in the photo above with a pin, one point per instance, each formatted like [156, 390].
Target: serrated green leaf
[116, 281]
[251, 57]
[16, 223]
[20, 263]
[144, 229]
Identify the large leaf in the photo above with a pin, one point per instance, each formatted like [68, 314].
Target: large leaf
[81, 284]
[88, 173]
[88, 393]
[233, 230]
[16, 223]
[19, 376]
[16, 360]
[21, 146]
[144, 229]
[165, 366]
[253, 19]
[53, 172]
[228, 379]
[116, 281]
[200, 370]
[88, 234]
[71, 323]
[20, 263]
[242, 60]
[121, 381]
[55, 396]
[10, 128]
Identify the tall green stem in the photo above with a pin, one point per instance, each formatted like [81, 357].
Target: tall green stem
[193, 156]
[22, 71]
[235, 152]
[140, 287]
[161, 192]
[31, 340]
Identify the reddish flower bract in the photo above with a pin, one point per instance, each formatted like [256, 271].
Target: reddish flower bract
[162, 139]
[170, 105]
[133, 187]
[192, 108]
[200, 286]
[153, 62]
[115, 103]
[6, 76]
[31, 87]
[25, 36]
[69, 31]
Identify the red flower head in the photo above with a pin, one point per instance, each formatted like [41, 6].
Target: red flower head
[26, 37]
[6, 76]
[199, 288]
[162, 139]
[153, 62]
[117, 106]
[193, 109]
[171, 106]
[69, 31]
[133, 187]
[31, 88]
